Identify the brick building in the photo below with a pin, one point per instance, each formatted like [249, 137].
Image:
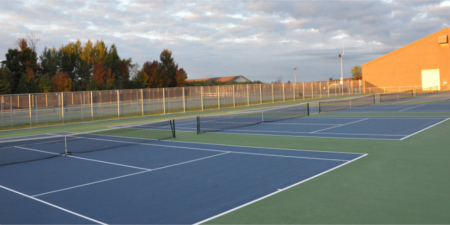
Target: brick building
[424, 63]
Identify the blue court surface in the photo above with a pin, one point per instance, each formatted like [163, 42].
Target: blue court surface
[439, 102]
[392, 128]
[160, 182]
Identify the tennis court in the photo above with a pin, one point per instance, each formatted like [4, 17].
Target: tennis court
[114, 179]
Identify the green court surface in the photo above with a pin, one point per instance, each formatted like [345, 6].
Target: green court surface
[398, 182]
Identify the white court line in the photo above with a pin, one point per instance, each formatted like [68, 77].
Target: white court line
[132, 174]
[236, 152]
[50, 204]
[278, 191]
[411, 107]
[424, 129]
[339, 125]
[299, 132]
[116, 164]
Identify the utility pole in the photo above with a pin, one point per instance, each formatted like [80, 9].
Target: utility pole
[342, 73]
[295, 75]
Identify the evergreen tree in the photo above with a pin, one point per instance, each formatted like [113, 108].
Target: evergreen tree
[44, 83]
[22, 86]
[49, 61]
[169, 66]
[5, 85]
[32, 86]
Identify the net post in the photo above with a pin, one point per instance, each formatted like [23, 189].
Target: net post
[198, 125]
[307, 107]
[29, 107]
[262, 116]
[319, 106]
[350, 103]
[65, 145]
[173, 129]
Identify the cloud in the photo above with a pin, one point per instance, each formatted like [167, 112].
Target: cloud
[258, 39]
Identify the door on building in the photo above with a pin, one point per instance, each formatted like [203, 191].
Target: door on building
[431, 79]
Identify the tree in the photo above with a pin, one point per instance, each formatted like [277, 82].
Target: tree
[61, 82]
[109, 79]
[31, 81]
[330, 79]
[49, 60]
[98, 77]
[169, 66]
[356, 72]
[181, 77]
[44, 83]
[5, 85]
[141, 79]
[17, 61]
[22, 86]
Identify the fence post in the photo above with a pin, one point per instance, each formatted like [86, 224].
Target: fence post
[248, 97]
[293, 89]
[29, 106]
[303, 90]
[62, 106]
[164, 101]
[260, 94]
[320, 88]
[273, 97]
[11, 110]
[234, 97]
[81, 104]
[1, 105]
[92, 108]
[284, 94]
[46, 101]
[142, 101]
[118, 103]
[218, 97]
[312, 89]
[201, 96]
[36, 108]
[184, 100]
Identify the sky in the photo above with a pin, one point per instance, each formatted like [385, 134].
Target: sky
[261, 40]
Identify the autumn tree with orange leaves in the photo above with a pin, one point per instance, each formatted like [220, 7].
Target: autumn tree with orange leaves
[61, 82]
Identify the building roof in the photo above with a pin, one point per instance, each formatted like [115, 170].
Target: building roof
[415, 42]
[218, 79]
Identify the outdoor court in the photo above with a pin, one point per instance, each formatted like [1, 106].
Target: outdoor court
[151, 183]
[177, 182]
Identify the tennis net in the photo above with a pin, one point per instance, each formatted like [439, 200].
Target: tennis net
[242, 119]
[32, 149]
[426, 91]
[396, 96]
[341, 104]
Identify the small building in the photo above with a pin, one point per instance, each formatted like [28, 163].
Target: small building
[237, 79]
[424, 63]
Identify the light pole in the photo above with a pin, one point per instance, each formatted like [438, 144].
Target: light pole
[295, 75]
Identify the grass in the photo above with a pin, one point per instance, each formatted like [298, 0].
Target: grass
[398, 182]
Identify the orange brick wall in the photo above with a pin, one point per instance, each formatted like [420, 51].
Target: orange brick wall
[403, 66]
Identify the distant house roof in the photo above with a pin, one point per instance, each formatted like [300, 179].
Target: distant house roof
[221, 79]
